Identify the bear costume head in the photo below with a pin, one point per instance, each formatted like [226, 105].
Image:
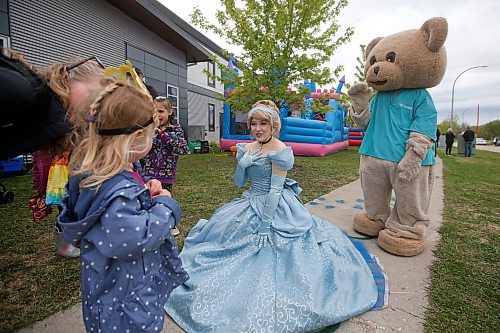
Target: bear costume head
[409, 59]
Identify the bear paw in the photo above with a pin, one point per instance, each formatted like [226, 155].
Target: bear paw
[400, 246]
[365, 226]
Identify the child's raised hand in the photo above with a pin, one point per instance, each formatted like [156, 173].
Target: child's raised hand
[162, 192]
[154, 186]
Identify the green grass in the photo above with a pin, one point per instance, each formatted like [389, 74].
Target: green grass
[464, 292]
[35, 283]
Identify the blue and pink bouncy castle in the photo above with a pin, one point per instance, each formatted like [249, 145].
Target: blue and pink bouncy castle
[306, 135]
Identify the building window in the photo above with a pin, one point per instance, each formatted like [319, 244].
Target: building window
[173, 95]
[211, 117]
[4, 41]
[211, 70]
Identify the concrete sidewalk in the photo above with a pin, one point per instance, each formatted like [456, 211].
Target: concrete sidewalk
[494, 149]
[408, 277]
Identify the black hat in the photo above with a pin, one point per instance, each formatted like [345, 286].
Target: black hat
[138, 71]
[25, 95]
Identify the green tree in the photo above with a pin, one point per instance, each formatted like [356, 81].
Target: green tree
[282, 42]
[445, 124]
[360, 67]
[490, 130]
[360, 76]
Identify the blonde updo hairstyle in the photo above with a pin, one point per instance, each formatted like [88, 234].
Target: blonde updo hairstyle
[119, 105]
[263, 115]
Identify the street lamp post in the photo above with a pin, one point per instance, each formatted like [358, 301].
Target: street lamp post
[463, 114]
[453, 90]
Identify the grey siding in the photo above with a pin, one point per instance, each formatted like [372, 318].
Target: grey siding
[4, 18]
[202, 91]
[48, 31]
[56, 30]
[198, 111]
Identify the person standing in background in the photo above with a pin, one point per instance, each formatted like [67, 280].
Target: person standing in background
[152, 91]
[450, 138]
[40, 172]
[40, 175]
[161, 161]
[469, 136]
[438, 134]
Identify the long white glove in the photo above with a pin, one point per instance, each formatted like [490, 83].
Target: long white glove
[247, 160]
[272, 200]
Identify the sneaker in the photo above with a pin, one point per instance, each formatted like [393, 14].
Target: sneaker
[175, 231]
[65, 249]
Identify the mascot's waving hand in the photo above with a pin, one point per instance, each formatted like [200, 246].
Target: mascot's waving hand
[397, 152]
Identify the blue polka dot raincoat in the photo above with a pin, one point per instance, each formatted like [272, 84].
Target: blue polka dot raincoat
[129, 259]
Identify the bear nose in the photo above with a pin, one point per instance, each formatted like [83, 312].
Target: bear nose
[375, 70]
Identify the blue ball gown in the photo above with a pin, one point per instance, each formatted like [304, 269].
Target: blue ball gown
[311, 277]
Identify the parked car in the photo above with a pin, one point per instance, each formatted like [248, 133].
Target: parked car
[480, 141]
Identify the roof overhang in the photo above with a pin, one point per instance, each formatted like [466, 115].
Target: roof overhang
[147, 13]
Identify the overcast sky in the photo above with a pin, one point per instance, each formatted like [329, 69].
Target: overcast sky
[473, 28]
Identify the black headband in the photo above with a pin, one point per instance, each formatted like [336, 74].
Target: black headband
[124, 130]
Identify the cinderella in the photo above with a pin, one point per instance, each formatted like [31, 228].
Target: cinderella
[263, 263]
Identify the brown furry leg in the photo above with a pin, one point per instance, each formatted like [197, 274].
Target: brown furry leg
[377, 189]
[405, 227]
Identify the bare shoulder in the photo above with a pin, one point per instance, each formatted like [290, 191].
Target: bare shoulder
[251, 147]
[278, 145]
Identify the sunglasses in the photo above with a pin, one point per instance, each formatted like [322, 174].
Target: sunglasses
[160, 98]
[99, 62]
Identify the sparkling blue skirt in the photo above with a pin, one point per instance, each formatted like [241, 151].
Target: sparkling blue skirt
[301, 283]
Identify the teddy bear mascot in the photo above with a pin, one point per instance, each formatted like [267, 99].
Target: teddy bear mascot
[400, 120]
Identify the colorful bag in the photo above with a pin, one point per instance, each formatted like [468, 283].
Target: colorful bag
[39, 208]
[58, 177]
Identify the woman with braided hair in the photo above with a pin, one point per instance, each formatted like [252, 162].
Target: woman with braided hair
[47, 97]
[129, 258]
[73, 81]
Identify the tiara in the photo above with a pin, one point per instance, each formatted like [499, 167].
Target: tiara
[264, 109]
[123, 72]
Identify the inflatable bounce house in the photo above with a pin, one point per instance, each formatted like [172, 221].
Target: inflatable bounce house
[303, 132]
[355, 136]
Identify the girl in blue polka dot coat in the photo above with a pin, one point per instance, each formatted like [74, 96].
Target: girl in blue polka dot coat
[129, 259]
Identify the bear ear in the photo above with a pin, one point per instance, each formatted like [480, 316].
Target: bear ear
[437, 30]
[371, 45]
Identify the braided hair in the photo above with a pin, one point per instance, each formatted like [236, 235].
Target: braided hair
[119, 107]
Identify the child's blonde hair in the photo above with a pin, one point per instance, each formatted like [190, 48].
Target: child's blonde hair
[120, 107]
[275, 121]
